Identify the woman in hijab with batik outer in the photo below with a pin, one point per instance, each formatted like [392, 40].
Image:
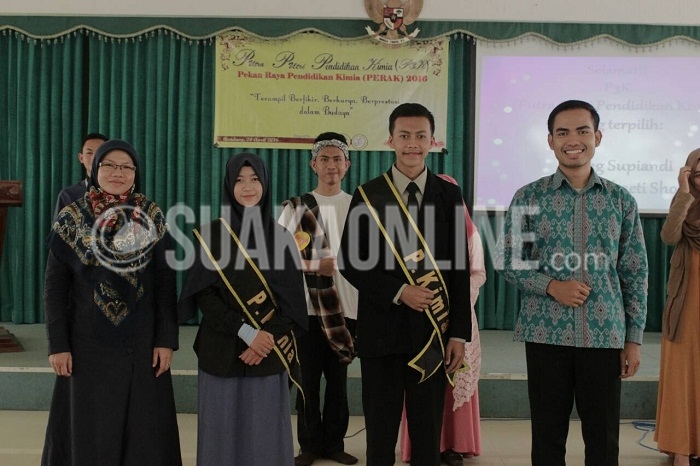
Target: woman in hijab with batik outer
[111, 320]
[247, 281]
[678, 409]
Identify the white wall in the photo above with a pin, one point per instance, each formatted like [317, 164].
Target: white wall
[669, 12]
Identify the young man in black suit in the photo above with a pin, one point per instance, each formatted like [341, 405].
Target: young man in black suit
[68, 195]
[404, 248]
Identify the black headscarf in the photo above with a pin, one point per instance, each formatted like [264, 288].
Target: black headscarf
[265, 232]
[232, 210]
[107, 147]
[109, 241]
[104, 202]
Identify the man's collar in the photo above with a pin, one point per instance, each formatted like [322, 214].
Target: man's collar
[401, 180]
[559, 178]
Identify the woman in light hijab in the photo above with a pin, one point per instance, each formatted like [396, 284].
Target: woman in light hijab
[247, 282]
[111, 320]
[678, 407]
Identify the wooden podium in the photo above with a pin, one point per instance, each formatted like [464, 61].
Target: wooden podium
[10, 196]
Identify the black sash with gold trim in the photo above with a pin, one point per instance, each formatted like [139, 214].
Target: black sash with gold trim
[418, 265]
[254, 296]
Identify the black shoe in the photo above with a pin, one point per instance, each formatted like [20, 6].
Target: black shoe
[451, 458]
[341, 457]
[305, 459]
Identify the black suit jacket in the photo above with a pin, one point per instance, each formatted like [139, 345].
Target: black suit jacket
[385, 328]
[69, 195]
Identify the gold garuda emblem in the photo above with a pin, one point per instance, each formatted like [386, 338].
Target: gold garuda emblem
[393, 16]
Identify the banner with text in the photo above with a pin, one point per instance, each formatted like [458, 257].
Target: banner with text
[283, 93]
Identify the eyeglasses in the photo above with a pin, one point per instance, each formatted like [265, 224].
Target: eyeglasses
[110, 167]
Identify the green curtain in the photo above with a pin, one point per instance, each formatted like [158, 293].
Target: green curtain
[40, 128]
[200, 28]
[156, 90]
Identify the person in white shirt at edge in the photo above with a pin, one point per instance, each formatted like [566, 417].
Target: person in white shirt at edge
[316, 219]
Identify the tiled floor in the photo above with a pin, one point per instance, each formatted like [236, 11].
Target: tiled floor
[504, 442]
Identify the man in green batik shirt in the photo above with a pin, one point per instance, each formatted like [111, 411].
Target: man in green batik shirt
[572, 243]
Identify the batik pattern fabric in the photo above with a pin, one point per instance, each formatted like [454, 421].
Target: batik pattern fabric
[113, 247]
[593, 235]
[467, 381]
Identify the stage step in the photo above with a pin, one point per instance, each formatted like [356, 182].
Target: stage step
[26, 380]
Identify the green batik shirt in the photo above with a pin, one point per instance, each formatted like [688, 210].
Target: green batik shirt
[594, 236]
